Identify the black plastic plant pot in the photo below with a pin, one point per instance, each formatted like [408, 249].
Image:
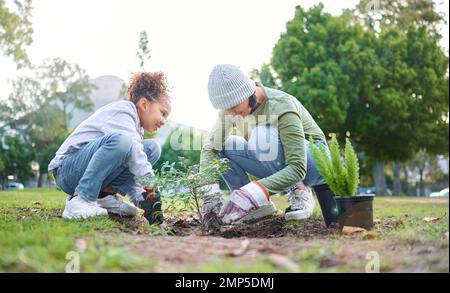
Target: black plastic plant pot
[327, 203]
[355, 211]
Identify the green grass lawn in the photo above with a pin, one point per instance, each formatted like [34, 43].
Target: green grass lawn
[33, 238]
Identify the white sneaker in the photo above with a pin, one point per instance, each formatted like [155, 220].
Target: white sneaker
[262, 212]
[302, 205]
[78, 207]
[114, 204]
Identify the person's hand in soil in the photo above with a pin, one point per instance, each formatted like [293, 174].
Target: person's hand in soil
[212, 204]
[249, 197]
[152, 205]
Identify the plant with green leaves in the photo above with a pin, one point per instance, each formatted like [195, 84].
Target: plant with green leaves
[341, 172]
[16, 31]
[181, 183]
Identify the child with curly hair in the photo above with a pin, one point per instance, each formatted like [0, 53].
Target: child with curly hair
[106, 153]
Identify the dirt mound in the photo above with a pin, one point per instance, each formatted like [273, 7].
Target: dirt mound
[276, 226]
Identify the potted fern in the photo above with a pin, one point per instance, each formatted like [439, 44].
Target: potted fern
[341, 172]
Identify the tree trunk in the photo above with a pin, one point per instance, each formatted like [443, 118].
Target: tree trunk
[40, 180]
[66, 123]
[421, 184]
[44, 180]
[379, 179]
[406, 176]
[397, 181]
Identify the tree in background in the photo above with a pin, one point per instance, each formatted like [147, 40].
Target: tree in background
[419, 20]
[57, 84]
[15, 34]
[16, 156]
[27, 95]
[2, 166]
[407, 107]
[143, 52]
[46, 134]
[426, 165]
[324, 60]
[15, 30]
[39, 108]
[66, 86]
[383, 14]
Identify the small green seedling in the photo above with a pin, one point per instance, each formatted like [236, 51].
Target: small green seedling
[180, 183]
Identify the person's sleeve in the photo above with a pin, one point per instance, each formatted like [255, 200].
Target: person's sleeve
[135, 194]
[125, 123]
[293, 140]
[216, 138]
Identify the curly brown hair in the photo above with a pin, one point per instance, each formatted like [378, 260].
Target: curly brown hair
[149, 85]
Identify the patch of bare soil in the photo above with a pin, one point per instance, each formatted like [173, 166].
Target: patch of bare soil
[191, 250]
[286, 245]
[270, 227]
[276, 226]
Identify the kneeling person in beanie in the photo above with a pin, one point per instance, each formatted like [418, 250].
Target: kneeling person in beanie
[106, 155]
[273, 145]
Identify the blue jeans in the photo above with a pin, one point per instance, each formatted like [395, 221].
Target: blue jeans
[102, 163]
[262, 159]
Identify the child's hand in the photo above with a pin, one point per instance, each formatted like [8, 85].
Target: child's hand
[152, 206]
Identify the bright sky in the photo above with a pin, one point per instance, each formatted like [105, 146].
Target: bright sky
[186, 37]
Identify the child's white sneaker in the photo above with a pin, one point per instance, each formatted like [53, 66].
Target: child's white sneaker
[114, 204]
[78, 207]
[302, 205]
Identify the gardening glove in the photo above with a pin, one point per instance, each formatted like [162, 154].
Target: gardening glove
[249, 197]
[152, 205]
[212, 203]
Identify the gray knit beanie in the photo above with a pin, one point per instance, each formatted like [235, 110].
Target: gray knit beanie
[228, 86]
